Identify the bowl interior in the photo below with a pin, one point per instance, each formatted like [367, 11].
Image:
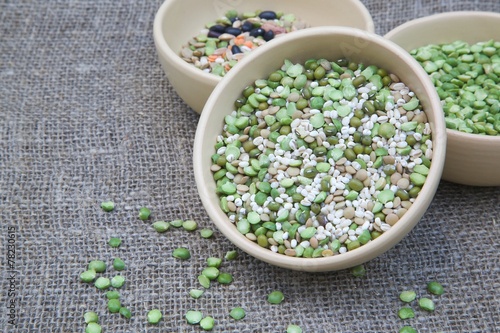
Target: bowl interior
[331, 43]
[178, 21]
[471, 27]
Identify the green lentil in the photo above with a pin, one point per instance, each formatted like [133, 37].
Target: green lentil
[426, 304]
[117, 281]
[90, 317]
[225, 278]
[406, 313]
[190, 225]
[193, 317]
[206, 233]
[237, 313]
[102, 283]
[112, 294]
[161, 226]
[358, 271]
[93, 328]
[154, 316]
[114, 305]
[435, 288]
[125, 312]
[98, 266]
[118, 264]
[275, 297]
[144, 213]
[181, 253]
[196, 293]
[207, 323]
[88, 276]
[108, 206]
[408, 296]
[114, 242]
[293, 329]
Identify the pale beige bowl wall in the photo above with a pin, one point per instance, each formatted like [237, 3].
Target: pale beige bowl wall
[178, 21]
[330, 43]
[471, 159]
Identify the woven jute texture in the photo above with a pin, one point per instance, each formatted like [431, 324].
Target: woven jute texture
[88, 115]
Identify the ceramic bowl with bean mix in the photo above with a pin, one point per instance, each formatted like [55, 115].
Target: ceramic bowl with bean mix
[321, 157]
[467, 79]
[221, 44]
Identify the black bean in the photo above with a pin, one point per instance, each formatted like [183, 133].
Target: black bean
[268, 35]
[236, 49]
[268, 15]
[247, 26]
[214, 34]
[256, 32]
[217, 28]
[233, 31]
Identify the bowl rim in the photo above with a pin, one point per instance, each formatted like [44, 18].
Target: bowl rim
[463, 14]
[366, 252]
[165, 49]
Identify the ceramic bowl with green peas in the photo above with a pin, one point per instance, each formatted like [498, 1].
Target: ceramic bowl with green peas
[460, 51]
[350, 197]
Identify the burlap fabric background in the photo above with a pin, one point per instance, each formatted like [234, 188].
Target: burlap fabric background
[87, 115]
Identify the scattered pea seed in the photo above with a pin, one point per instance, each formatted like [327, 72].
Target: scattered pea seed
[108, 206]
[117, 281]
[426, 304]
[144, 213]
[293, 329]
[406, 313]
[90, 317]
[125, 312]
[358, 271]
[231, 255]
[114, 305]
[88, 276]
[181, 253]
[93, 328]
[189, 225]
[97, 265]
[407, 329]
[114, 242]
[214, 262]
[408, 296]
[206, 233]
[102, 283]
[118, 264]
[176, 223]
[193, 317]
[435, 288]
[196, 293]
[225, 278]
[211, 273]
[207, 323]
[204, 281]
[112, 294]
[161, 226]
[275, 297]
[154, 316]
[237, 313]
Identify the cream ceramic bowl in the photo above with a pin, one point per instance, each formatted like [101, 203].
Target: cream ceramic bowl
[331, 43]
[470, 159]
[178, 21]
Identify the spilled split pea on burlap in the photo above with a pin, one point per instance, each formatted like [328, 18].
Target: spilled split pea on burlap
[332, 100]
